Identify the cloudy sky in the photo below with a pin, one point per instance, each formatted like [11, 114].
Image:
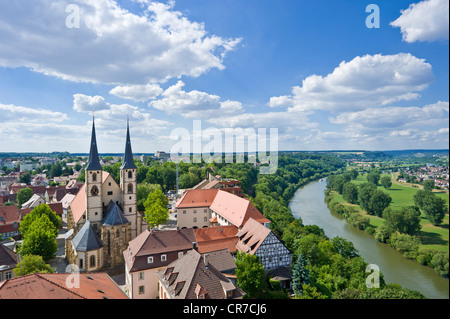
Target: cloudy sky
[314, 70]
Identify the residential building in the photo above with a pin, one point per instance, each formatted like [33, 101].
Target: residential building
[35, 200]
[193, 276]
[9, 221]
[255, 239]
[61, 286]
[27, 166]
[199, 208]
[8, 261]
[148, 253]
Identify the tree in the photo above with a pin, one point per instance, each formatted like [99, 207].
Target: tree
[250, 274]
[365, 192]
[378, 203]
[36, 213]
[350, 193]
[434, 208]
[300, 274]
[373, 176]
[344, 247]
[143, 190]
[428, 185]
[405, 220]
[353, 173]
[386, 181]
[56, 170]
[25, 178]
[420, 196]
[40, 239]
[23, 195]
[156, 212]
[31, 264]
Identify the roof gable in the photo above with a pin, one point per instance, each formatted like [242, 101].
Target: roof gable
[86, 239]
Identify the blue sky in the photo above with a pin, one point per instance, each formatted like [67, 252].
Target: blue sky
[312, 69]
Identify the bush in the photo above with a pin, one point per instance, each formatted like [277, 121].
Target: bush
[407, 244]
[440, 263]
[370, 230]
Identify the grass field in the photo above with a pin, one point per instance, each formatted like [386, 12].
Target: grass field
[436, 237]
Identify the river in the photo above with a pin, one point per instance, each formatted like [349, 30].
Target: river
[308, 204]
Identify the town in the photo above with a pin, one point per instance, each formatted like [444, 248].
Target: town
[105, 240]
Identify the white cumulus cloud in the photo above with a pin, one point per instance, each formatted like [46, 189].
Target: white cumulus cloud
[424, 21]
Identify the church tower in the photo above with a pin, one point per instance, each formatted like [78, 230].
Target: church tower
[128, 186]
[93, 180]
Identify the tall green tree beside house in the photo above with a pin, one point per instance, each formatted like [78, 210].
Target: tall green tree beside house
[300, 274]
[31, 264]
[156, 212]
[40, 239]
[250, 274]
[23, 195]
[36, 213]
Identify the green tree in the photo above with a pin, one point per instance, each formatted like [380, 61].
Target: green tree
[435, 209]
[300, 274]
[353, 173]
[386, 181]
[379, 201]
[250, 274]
[406, 220]
[23, 195]
[344, 247]
[365, 191]
[156, 212]
[31, 264]
[143, 190]
[350, 193]
[40, 239]
[428, 185]
[373, 176]
[420, 196]
[56, 170]
[25, 178]
[36, 213]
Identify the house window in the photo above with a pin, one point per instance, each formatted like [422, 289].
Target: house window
[141, 290]
[8, 275]
[184, 212]
[205, 219]
[81, 263]
[180, 254]
[195, 211]
[110, 193]
[92, 261]
[163, 257]
[205, 210]
[141, 275]
[195, 219]
[150, 260]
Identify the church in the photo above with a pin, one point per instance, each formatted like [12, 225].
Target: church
[103, 218]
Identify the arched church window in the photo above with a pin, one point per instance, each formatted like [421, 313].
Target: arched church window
[130, 188]
[94, 191]
[94, 177]
[109, 243]
[130, 174]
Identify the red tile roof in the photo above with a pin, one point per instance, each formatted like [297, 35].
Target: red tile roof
[53, 286]
[197, 198]
[216, 238]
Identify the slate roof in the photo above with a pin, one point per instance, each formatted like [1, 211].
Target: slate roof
[114, 215]
[93, 162]
[86, 239]
[128, 162]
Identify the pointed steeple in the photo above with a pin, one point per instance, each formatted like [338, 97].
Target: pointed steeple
[93, 163]
[128, 162]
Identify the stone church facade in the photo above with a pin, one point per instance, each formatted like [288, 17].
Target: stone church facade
[103, 218]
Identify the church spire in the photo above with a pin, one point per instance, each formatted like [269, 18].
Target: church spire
[93, 163]
[128, 162]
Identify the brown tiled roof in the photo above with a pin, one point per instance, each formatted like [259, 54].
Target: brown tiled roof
[40, 190]
[216, 238]
[235, 209]
[78, 205]
[53, 286]
[9, 215]
[222, 260]
[251, 236]
[196, 279]
[157, 242]
[197, 198]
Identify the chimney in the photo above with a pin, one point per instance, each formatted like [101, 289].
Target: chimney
[194, 245]
[206, 260]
